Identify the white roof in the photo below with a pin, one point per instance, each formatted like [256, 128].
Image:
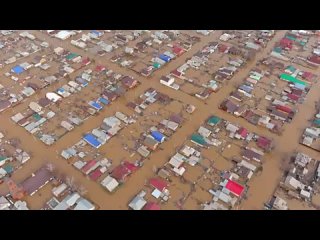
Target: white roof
[71, 199]
[58, 190]
[156, 193]
[35, 107]
[204, 131]
[248, 165]
[17, 117]
[110, 183]
[137, 203]
[61, 206]
[187, 151]
[84, 204]
[53, 96]
[180, 171]
[170, 124]
[63, 34]
[223, 197]
[4, 203]
[177, 160]
[305, 193]
[232, 128]
[112, 121]
[280, 204]
[291, 181]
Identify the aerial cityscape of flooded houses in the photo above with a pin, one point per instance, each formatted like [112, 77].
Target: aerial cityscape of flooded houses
[159, 119]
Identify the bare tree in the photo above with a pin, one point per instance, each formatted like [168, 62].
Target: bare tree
[50, 167]
[82, 190]
[71, 182]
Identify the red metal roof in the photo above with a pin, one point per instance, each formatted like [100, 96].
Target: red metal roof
[263, 142]
[286, 43]
[284, 108]
[176, 73]
[243, 132]
[100, 68]
[235, 188]
[89, 165]
[120, 172]
[158, 183]
[151, 206]
[86, 61]
[130, 166]
[307, 75]
[222, 47]
[292, 96]
[177, 50]
[297, 92]
[314, 59]
[96, 174]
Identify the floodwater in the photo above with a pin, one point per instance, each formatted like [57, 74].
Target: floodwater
[261, 187]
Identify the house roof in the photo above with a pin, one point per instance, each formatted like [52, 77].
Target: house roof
[198, 139]
[95, 174]
[214, 120]
[37, 180]
[289, 78]
[88, 165]
[17, 69]
[243, 132]
[264, 142]
[130, 166]
[137, 203]
[120, 172]
[235, 188]
[4, 104]
[151, 206]
[157, 136]
[158, 183]
[251, 154]
[314, 59]
[128, 81]
[284, 108]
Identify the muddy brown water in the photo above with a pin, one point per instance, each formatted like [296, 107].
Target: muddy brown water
[261, 187]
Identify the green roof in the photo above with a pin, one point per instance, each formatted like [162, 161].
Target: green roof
[291, 38]
[36, 116]
[3, 158]
[157, 65]
[8, 169]
[71, 56]
[214, 120]
[197, 138]
[317, 121]
[291, 68]
[277, 49]
[289, 78]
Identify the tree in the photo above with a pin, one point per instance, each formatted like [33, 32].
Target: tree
[50, 167]
[82, 190]
[70, 182]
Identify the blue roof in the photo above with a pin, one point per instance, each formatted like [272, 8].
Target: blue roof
[104, 100]
[60, 90]
[299, 86]
[158, 136]
[95, 105]
[17, 69]
[96, 33]
[83, 82]
[164, 57]
[89, 138]
[9, 169]
[246, 88]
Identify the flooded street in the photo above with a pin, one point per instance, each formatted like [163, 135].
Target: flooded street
[261, 187]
